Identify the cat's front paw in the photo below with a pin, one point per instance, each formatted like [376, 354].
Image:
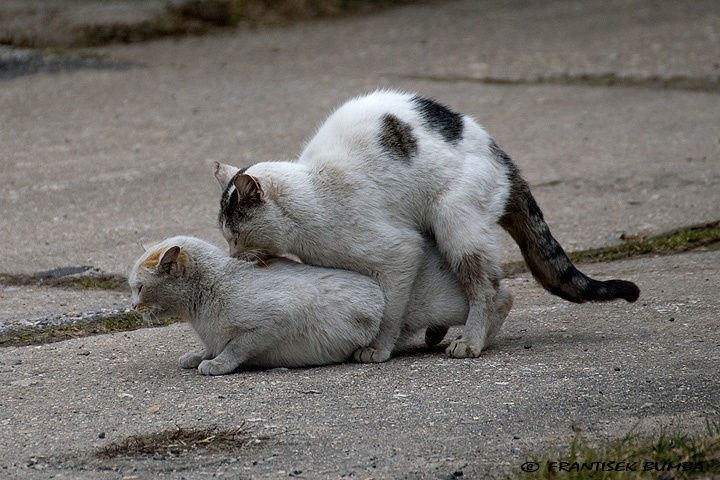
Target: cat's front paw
[461, 348]
[371, 355]
[190, 360]
[214, 367]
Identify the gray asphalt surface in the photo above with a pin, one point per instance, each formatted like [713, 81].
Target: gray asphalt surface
[612, 111]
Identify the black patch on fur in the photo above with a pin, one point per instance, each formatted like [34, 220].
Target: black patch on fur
[440, 118]
[520, 200]
[503, 157]
[396, 138]
[229, 205]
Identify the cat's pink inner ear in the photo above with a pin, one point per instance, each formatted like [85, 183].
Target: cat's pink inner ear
[248, 187]
[171, 258]
[224, 173]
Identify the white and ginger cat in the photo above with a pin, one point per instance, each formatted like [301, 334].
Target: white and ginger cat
[383, 171]
[280, 313]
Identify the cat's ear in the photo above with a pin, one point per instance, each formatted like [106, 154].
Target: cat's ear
[146, 243]
[248, 188]
[224, 173]
[171, 261]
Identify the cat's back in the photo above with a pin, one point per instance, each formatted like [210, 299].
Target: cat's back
[395, 131]
[365, 110]
[207, 264]
[352, 129]
[308, 281]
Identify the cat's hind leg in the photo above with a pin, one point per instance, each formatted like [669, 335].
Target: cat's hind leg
[468, 242]
[503, 305]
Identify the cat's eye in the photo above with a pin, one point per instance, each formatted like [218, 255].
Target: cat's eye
[139, 289]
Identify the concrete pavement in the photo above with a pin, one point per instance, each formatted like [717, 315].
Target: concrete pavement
[94, 159]
[606, 371]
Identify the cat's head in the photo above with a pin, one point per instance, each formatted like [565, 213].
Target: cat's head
[158, 281]
[249, 218]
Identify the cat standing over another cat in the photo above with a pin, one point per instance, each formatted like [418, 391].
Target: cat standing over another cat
[280, 313]
[383, 172]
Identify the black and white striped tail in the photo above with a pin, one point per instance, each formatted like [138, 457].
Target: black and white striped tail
[546, 259]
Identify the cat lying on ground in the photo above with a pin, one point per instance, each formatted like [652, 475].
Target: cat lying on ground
[381, 174]
[279, 313]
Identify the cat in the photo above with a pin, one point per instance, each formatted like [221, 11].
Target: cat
[279, 313]
[382, 172]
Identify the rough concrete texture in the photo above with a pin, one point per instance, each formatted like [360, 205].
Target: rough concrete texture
[95, 159]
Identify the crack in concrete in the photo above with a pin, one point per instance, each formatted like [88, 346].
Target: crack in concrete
[62, 327]
[709, 83]
[684, 239]
[15, 62]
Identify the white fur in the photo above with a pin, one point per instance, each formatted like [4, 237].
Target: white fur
[285, 314]
[344, 203]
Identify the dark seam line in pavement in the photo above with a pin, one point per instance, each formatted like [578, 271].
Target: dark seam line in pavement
[709, 84]
[676, 241]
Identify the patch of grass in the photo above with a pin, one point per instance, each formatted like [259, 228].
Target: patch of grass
[221, 13]
[96, 281]
[230, 13]
[121, 322]
[100, 281]
[178, 442]
[676, 241]
[187, 17]
[670, 456]
[197, 17]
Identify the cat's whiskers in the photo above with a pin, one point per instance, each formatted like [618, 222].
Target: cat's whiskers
[151, 319]
[148, 314]
[262, 262]
[253, 256]
[253, 259]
